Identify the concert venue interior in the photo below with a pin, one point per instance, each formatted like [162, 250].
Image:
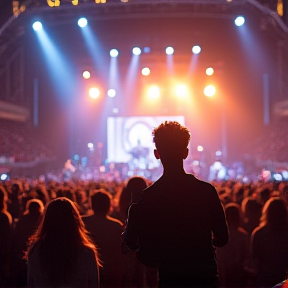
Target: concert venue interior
[92, 90]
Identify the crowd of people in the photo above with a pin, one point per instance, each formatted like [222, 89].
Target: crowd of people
[255, 255]
[17, 143]
[271, 145]
[178, 231]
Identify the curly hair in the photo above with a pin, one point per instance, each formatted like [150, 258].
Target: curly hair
[170, 136]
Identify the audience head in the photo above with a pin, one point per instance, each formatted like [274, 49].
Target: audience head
[34, 207]
[274, 213]
[233, 215]
[171, 140]
[101, 202]
[135, 186]
[2, 199]
[62, 223]
[62, 236]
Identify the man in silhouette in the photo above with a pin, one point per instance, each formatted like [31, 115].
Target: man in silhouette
[179, 220]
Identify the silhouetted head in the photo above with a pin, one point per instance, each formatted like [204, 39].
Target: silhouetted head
[232, 212]
[62, 222]
[135, 186]
[101, 202]
[34, 207]
[2, 199]
[274, 213]
[171, 140]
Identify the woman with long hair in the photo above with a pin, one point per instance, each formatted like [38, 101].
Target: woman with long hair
[61, 253]
[269, 244]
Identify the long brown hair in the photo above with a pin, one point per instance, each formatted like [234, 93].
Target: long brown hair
[61, 236]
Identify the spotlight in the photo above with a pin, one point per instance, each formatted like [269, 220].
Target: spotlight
[154, 92]
[37, 25]
[181, 90]
[146, 71]
[4, 177]
[82, 22]
[111, 93]
[86, 74]
[209, 71]
[209, 91]
[200, 148]
[90, 145]
[114, 53]
[239, 21]
[136, 51]
[196, 49]
[94, 93]
[169, 50]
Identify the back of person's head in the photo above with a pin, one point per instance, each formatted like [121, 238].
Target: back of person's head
[2, 199]
[34, 207]
[62, 224]
[135, 186]
[251, 208]
[274, 213]
[171, 138]
[61, 236]
[233, 213]
[101, 202]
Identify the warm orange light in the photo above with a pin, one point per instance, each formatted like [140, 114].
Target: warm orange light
[181, 90]
[209, 90]
[94, 92]
[154, 92]
[209, 71]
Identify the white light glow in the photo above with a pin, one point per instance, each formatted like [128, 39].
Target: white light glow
[200, 148]
[37, 25]
[111, 93]
[136, 51]
[239, 21]
[196, 49]
[114, 53]
[209, 91]
[169, 50]
[146, 71]
[94, 93]
[209, 71]
[154, 92]
[82, 22]
[86, 74]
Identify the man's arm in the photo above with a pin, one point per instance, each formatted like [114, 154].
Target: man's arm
[131, 232]
[219, 224]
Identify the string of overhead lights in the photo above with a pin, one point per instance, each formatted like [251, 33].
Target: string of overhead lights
[56, 3]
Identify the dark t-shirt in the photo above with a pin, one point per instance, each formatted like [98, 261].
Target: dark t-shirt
[174, 222]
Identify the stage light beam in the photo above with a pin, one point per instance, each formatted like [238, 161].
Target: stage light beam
[114, 53]
[146, 71]
[82, 22]
[136, 51]
[196, 49]
[239, 21]
[111, 93]
[37, 26]
[169, 50]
